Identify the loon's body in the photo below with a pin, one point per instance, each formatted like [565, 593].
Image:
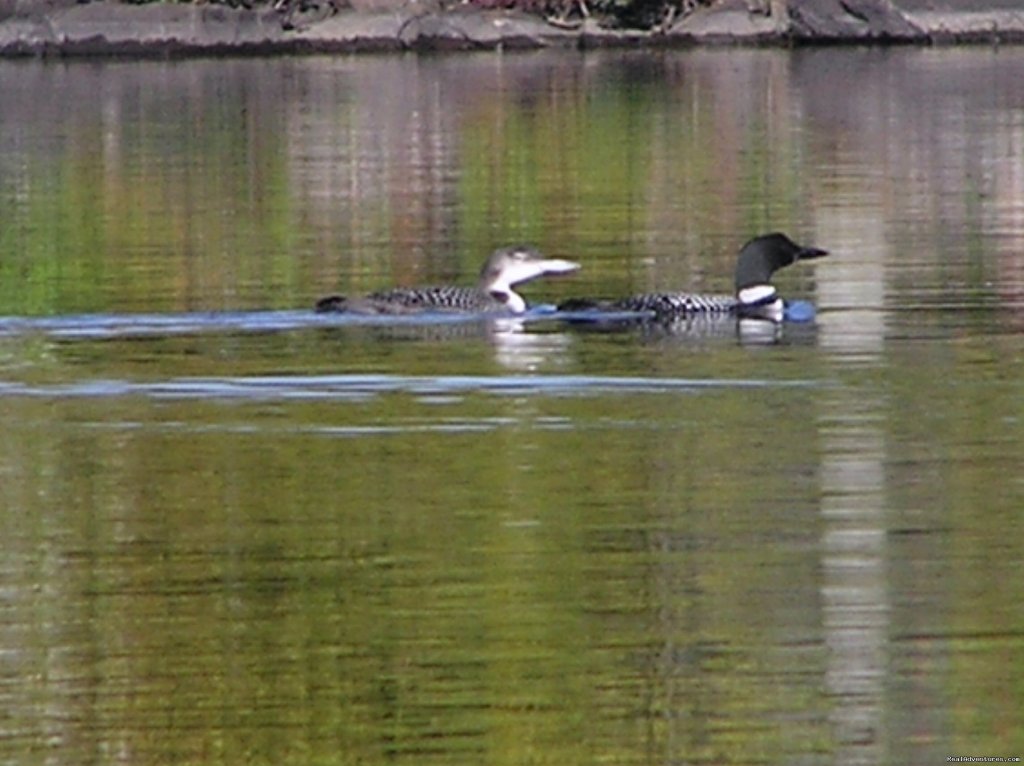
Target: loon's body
[755, 296]
[493, 292]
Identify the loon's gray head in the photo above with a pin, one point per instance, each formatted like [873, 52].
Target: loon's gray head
[759, 259]
[511, 266]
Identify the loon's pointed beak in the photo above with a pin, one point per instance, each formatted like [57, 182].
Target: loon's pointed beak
[559, 266]
[806, 253]
[524, 271]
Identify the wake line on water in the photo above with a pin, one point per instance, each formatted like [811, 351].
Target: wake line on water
[349, 387]
[112, 326]
[98, 326]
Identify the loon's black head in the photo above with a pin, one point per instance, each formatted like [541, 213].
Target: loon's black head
[759, 259]
[510, 266]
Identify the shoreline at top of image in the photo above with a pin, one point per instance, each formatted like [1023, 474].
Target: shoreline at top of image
[59, 28]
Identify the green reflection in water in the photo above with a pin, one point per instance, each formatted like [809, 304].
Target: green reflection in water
[170, 203]
[239, 585]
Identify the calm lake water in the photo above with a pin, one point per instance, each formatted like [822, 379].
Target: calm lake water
[234, 532]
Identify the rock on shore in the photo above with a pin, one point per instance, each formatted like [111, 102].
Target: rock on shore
[66, 27]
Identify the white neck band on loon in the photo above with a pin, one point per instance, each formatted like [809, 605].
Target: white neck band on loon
[756, 295]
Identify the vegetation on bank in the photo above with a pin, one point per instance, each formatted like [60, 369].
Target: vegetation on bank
[637, 14]
[631, 14]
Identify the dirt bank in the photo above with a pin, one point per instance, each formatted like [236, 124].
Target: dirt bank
[65, 27]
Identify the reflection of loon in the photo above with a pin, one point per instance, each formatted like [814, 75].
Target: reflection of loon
[493, 292]
[755, 296]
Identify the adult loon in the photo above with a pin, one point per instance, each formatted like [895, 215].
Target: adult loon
[755, 296]
[493, 292]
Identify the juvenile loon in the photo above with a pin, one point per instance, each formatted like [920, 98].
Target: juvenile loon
[493, 292]
[755, 296]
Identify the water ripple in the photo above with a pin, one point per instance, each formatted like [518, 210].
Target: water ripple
[342, 387]
[99, 326]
